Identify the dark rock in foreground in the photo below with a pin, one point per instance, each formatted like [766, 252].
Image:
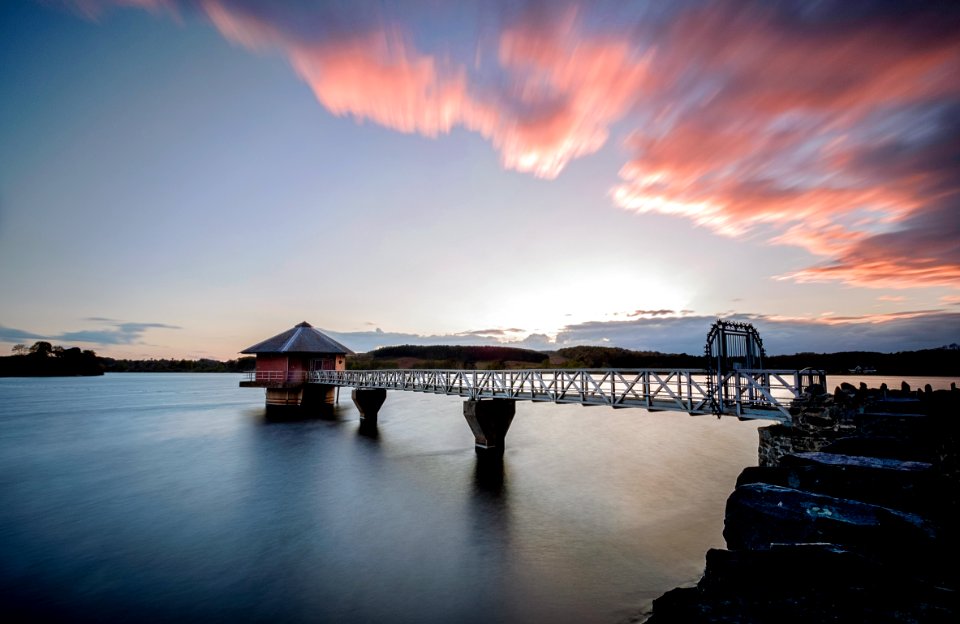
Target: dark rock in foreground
[850, 517]
[760, 516]
[804, 583]
[898, 484]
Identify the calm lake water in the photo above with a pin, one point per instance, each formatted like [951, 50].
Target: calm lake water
[158, 497]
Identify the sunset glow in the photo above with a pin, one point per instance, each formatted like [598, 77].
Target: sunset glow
[207, 172]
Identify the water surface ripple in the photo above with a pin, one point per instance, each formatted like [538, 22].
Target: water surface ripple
[159, 497]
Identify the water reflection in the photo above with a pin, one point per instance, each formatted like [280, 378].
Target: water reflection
[488, 476]
[369, 429]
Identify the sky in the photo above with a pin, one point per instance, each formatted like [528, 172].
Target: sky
[184, 178]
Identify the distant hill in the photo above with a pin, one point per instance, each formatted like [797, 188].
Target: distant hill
[493, 357]
[615, 357]
[942, 361]
[44, 359]
[448, 356]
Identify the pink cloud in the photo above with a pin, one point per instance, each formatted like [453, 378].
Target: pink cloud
[374, 75]
[793, 127]
[573, 87]
[883, 272]
[560, 91]
[380, 78]
[815, 125]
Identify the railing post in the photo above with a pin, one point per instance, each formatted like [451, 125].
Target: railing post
[739, 390]
[721, 390]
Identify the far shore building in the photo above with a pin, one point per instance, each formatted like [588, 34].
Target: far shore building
[285, 361]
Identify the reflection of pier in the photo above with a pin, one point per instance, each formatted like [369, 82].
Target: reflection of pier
[735, 384]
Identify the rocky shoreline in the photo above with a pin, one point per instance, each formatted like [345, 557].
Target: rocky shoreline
[850, 516]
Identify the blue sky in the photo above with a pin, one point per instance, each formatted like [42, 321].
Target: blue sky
[183, 179]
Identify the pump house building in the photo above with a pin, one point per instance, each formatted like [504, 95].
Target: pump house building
[285, 361]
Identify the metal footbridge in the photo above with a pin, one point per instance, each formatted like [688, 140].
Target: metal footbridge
[744, 393]
[733, 382]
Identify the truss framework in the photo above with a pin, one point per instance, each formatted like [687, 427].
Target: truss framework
[765, 394]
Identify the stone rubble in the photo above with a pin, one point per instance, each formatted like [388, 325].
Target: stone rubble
[851, 516]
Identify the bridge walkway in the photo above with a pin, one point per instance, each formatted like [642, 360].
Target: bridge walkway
[744, 393]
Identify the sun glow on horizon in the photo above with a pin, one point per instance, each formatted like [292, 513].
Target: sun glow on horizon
[595, 293]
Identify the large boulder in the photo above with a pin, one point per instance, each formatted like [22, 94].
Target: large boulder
[804, 583]
[897, 484]
[759, 515]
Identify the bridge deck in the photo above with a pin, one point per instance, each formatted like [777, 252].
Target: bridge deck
[765, 394]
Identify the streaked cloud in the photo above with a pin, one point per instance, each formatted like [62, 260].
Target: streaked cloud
[555, 95]
[114, 333]
[830, 126]
[492, 332]
[652, 313]
[10, 334]
[826, 126]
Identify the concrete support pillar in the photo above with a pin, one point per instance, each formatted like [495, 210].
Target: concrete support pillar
[284, 397]
[489, 420]
[368, 402]
[318, 396]
[297, 402]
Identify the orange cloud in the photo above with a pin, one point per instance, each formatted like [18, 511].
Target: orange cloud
[572, 88]
[561, 91]
[829, 126]
[822, 134]
[902, 272]
[378, 77]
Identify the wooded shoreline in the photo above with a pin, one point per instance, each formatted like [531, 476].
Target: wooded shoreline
[48, 360]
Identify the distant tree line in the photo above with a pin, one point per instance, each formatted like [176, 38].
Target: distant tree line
[615, 357]
[46, 360]
[458, 353]
[203, 365]
[941, 361]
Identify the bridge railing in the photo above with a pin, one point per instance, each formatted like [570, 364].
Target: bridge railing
[744, 393]
[268, 376]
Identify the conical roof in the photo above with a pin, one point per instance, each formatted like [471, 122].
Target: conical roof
[302, 338]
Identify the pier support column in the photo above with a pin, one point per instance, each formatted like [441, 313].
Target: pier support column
[318, 397]
[284, 397]
[489, 420]
[300, 401]
[368, 402]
